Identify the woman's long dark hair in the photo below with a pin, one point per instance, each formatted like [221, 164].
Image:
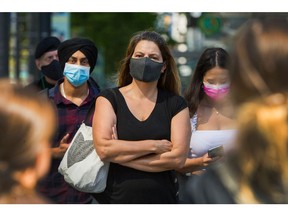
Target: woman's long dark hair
[210, 58]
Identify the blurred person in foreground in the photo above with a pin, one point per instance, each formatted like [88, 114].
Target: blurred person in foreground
[152, 133]
[47, 62]
[72, 96]
[27, 122]
[257, 171]
[211, 114]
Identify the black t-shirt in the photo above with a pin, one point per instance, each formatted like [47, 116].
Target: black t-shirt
[128, 185]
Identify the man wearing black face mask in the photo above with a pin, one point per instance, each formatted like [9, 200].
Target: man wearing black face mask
[46, 60]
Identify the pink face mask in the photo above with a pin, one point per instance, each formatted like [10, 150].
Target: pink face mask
[216, 91]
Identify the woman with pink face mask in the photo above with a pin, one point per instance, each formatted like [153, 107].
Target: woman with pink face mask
[211, 114]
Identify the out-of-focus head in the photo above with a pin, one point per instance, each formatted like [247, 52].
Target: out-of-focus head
[265, 122]
[27, 126]
[86, 46]
[169, 79]
[262, 146]
[259, 59]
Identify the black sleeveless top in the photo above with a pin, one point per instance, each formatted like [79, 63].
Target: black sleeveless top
[128, 185]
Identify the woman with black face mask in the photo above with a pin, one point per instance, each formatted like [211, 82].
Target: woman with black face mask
[142, 126]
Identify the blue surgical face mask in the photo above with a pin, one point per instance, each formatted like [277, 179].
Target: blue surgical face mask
[76, 74]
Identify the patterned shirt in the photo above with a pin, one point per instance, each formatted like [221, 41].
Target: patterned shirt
[70, 117]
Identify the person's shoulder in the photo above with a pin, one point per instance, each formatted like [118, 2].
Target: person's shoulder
[174, 103]
[109, 91]
[111, 94]
[94, 85]
[50, 92]
[35, 84]
[168, 93]
[171, 96]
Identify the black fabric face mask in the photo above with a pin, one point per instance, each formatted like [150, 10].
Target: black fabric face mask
[53, 70]
[145, 69]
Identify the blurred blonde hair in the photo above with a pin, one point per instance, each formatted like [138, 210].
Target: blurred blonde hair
[27, 121]
[262, 149]
[259, 59]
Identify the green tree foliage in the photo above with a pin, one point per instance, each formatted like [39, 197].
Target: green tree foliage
[111, 32]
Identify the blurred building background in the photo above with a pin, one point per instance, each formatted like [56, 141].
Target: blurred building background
[188, 34]
[20, 33]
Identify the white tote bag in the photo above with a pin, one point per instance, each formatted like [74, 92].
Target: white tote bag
[81, 166]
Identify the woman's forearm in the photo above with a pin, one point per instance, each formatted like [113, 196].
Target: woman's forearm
[158, 162]
[191, 164]
[121, 151]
